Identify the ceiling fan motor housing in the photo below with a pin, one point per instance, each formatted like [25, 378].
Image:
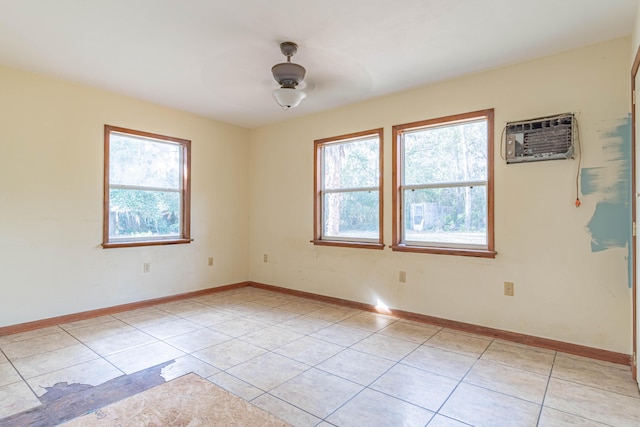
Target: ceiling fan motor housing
[288, 74]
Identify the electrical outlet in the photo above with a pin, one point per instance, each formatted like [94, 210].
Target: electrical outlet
[265, 258]
[210, 261]
[508, 289]
[146, 267]
[402, 277]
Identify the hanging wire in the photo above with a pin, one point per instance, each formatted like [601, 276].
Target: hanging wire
[504, 129]
[577, 202]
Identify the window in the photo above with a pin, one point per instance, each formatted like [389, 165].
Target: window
[146, 188]
[348, 190]
[443, 185]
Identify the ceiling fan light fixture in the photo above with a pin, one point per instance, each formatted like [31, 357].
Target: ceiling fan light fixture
[288, 75]
[288, 97]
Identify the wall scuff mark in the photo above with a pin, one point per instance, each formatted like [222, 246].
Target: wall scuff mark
[610, 225]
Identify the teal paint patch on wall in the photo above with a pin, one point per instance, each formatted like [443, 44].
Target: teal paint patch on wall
[590, 179]
[610, 225]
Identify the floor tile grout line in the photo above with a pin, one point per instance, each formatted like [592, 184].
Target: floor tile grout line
[48, 351]
[560, 410]
[65, 326]
[29, 332]
[637, 396]
[371, 333]
[106, 357]
[78, 342]
[449, 418]
[22, 378]
[3, 354]
[544, 396]
[517, 368]
[365, 387]
[288, 403]
[98, 357]
[600, 389]
[109, 362]
[226, 371]
[396, 397]
[460, 381]
[127, 348]
[309, 367]
[503, 393]
[399, 362]
[523, 369]
[347, 401]
[515, 344]
[237, 378]
[246, 315]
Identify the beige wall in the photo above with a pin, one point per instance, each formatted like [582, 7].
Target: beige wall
[51, 168]
[635, 36]
[563, 290]
[635, 46]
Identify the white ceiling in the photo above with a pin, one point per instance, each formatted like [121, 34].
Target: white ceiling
[214, 57]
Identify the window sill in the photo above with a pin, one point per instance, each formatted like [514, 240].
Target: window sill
[479, 253]
[111, 245]
[346, 244]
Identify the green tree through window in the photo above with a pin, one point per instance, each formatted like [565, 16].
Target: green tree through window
[444, 185]
[348, 203]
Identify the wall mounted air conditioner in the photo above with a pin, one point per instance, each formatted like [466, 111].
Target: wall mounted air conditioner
[544, 138]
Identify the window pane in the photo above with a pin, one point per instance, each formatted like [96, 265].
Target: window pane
[352, 164]
[145, 214]
[451, 153]
[352, 215]
[143, 162]
[451, 215]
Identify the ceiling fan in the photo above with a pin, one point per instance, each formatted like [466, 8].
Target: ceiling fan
[288, 75]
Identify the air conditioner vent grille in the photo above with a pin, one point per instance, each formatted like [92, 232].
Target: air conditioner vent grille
[546, 138]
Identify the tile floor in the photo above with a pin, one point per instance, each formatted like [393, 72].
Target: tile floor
[317, 364]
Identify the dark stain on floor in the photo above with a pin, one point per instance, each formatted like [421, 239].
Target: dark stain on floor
[64, 402]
